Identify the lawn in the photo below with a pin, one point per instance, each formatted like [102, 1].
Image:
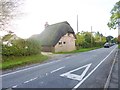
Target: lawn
[79, 50]
[12, 62]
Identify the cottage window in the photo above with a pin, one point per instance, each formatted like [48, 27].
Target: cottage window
[64, 42]
[60, 43]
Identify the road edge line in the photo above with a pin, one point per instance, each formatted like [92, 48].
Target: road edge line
[110, 73]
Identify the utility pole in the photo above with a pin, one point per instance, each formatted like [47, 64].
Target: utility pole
[77, 23]
[91, 36]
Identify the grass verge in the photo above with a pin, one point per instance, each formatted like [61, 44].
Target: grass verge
[80, 50]
[12, 62]
[119, 46]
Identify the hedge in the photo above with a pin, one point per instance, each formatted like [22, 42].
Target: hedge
[22, 48]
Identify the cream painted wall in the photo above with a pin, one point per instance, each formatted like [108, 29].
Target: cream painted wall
[69, 45]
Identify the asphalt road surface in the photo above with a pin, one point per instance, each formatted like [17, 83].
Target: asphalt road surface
[83, 70]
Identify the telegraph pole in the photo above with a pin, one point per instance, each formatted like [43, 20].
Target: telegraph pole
[91, 36]
[77, 23]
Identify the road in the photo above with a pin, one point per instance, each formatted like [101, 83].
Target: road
[83, 70]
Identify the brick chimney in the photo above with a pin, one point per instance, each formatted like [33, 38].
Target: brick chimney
[46, 24]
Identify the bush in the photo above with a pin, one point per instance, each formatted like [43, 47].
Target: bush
[98, 44]
[21, 48]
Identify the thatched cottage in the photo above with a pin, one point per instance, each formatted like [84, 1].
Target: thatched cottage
[58, 37]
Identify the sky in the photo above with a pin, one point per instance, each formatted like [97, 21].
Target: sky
[95, 13]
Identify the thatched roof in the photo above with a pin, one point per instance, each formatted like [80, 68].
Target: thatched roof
[52, 33]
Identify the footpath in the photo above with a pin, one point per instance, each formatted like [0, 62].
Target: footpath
[115, 76]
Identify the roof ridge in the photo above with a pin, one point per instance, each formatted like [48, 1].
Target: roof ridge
[60, 23]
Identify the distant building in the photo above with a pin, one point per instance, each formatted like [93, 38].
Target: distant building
[7, 39]
[58, 37]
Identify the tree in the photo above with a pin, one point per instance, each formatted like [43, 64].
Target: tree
[109, 38]
[88, 37]
[8, 10]
[97, 37]
[84, 40]
[79, 40]
[115, 16]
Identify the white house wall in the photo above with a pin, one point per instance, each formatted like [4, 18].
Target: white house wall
[69, 45]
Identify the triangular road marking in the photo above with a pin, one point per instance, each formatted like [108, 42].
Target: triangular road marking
[74, 76]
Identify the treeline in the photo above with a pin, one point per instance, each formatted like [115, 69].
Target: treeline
[27, 47]
[88, 39]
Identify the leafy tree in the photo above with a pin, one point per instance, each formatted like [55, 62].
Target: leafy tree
[80, 40]
[103, 39]
[8, 10]
[84, 40]
[97, 37]
[89, 37]
[109, 38]
[115, 16]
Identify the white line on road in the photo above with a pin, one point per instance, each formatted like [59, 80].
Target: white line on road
[68, 57]
[14, 86]
[74, 76]
[28, 68]
[30, 80]
[57, 69]
[93, 70]
[46, 74]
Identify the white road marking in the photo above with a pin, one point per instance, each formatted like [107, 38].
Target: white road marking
[30, 80]
[46, 74]
[14, 86]
[68, 57]
[74, 76]
[74, 88]
[57, 69]
[28, 68]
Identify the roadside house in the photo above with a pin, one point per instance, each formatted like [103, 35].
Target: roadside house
[7, 39]
[59, 37]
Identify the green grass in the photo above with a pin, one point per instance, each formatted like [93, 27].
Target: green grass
[13, 62]
[119, 46]
[80, 50]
